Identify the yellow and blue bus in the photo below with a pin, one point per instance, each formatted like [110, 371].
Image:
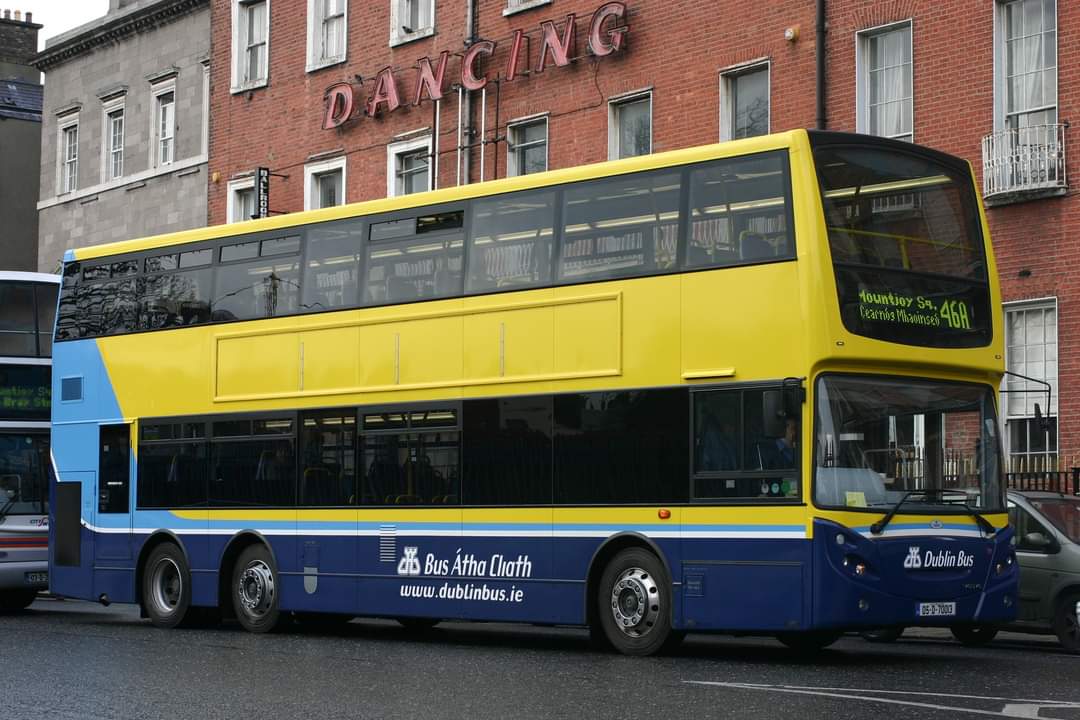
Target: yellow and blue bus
[749, 387]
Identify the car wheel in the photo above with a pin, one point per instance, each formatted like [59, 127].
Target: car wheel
[974, 635]
[882, 635]
[1067, 622]
[255, 590]
[811, 641]
[166, 586]
[15, 600]
[633, 603]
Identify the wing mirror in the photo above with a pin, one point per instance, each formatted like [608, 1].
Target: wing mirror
[1039, 541]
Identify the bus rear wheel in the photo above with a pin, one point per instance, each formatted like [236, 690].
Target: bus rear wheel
[255, 590]
[166, 590]
[634, 603]
[15, 600]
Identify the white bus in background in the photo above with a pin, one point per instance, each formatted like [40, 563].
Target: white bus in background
[27, 313]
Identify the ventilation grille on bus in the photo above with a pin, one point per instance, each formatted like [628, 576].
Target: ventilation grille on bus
[387, 543]
[70, 389]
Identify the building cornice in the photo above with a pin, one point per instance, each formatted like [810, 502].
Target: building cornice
[113, 29]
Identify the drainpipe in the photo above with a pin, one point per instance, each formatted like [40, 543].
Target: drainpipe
[819, 57]
[470, 36]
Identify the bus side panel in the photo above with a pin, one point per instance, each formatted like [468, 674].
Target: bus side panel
[746, 584]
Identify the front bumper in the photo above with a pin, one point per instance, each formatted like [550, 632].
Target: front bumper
[13, 575]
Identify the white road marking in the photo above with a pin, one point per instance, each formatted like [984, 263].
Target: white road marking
[1012, 707]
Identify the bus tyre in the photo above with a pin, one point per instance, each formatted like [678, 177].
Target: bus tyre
[255, 590]
[634, 603]
[810, 641]
[15, 600]
[974, 635]
[1067, 622]
[166, 590]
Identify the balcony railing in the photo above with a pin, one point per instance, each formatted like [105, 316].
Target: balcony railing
[1024, 163]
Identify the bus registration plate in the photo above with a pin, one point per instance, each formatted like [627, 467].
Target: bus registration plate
[938, 609]
[34, 578]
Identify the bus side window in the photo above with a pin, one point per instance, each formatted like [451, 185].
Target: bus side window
[510, 241]
[332, 272]
[739, 211]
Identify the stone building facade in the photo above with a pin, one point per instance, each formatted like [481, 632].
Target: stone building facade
[124, 137]
[993, 81]
[20, 140]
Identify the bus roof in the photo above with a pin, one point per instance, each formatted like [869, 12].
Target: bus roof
[445, 195]
[21, 276]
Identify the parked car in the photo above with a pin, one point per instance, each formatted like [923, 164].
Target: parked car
[1047, 542]
[1047, 527]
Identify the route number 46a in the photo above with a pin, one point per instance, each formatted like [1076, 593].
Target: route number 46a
[955, 314]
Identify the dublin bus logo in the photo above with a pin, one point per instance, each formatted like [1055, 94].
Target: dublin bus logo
[911, 562]
[410, 564]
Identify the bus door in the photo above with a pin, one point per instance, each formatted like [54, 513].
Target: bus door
[113, 512]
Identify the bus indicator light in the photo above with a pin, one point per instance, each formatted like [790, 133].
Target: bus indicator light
[663, 513]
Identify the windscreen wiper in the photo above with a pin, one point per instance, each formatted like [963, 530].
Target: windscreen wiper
[982, 522]
[879, 526]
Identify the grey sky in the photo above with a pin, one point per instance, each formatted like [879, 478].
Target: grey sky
[58, 15]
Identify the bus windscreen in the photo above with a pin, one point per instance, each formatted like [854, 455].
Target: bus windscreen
[906, 244]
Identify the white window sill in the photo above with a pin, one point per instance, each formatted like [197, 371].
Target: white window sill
[237, 89]
[122, 181]
[313, 65]
[406, 38]
[522, 7]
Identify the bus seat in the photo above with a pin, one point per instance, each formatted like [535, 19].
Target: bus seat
[754, 246]
[398, 288]
[318, 486]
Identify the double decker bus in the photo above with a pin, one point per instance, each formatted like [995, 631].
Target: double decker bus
[27, 312]
[745, 388]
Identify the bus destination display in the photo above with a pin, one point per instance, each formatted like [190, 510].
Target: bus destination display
[24, 392]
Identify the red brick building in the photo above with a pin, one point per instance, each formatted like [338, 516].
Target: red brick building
[990, 80]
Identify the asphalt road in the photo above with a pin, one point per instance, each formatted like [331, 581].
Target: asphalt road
[74, 660]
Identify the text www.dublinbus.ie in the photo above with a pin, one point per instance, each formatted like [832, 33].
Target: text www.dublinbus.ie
[464, 591]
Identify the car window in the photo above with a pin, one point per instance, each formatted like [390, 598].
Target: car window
[1024, 524]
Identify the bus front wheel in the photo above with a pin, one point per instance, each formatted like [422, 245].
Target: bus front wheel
[255, 590]
[166, 590]
[15, 600]
[634, 603]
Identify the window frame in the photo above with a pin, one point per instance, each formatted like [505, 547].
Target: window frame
[615, 106]
[314, 172]
[862, 76]
[1050, 454]
[240, 45]
[316, 41]
[1001, 78]
[67, 169]
[234, 189]
[512, 127]
[728, 77]
[398, 35]
[108, 151]
[158, 91]
[394, 151]
[513, 7]
[798, 470]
